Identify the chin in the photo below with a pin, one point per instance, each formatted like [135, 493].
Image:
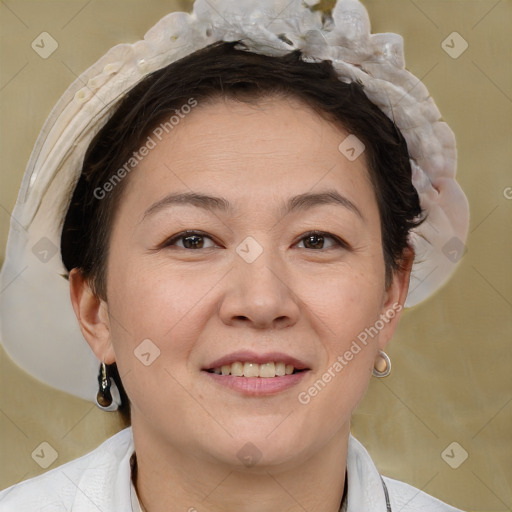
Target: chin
[261, 445]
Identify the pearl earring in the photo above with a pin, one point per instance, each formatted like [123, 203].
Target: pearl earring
[382, 367]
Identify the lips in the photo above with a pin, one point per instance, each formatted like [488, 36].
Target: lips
[255, 374]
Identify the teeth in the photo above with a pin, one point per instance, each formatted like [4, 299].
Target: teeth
[280, 369]
[266, 370]
[237, 369]
[251, 370]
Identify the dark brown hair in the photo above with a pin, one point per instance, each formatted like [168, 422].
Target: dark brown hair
[223, 70]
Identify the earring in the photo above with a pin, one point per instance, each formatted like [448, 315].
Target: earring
[108, 397]
[382, 366]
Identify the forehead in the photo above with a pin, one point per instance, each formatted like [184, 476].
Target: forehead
[260, 149]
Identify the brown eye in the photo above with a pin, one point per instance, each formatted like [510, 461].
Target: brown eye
[317, 240]
[191, 240]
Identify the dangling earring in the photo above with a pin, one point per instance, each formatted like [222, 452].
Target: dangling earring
[382, 367]
[108, 397]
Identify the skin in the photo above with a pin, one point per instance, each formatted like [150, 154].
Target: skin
[307, 300]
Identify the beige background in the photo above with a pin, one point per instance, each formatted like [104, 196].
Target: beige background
[452, 378]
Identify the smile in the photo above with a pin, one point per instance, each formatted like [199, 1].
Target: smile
[256, 374]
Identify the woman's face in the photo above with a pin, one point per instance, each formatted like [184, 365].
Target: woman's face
[250, 284]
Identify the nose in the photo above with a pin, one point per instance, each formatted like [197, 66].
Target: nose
[259, 295]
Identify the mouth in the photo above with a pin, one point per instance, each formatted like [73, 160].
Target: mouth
[257, 374]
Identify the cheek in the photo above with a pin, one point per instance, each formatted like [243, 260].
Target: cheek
[156, 318]
[158, 313]
[154, 301]
[346, 309]
[346, 301]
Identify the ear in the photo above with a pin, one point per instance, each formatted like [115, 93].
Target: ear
[394, 298]
[92, 315]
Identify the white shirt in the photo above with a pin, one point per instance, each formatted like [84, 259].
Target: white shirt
[101, 481]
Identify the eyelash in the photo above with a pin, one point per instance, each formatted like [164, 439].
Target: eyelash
[184, 234]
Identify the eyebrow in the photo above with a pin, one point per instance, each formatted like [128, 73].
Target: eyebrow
[211, 203]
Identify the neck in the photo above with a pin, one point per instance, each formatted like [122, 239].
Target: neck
[170, 478]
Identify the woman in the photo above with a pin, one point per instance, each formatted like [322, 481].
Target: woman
[239, 219]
